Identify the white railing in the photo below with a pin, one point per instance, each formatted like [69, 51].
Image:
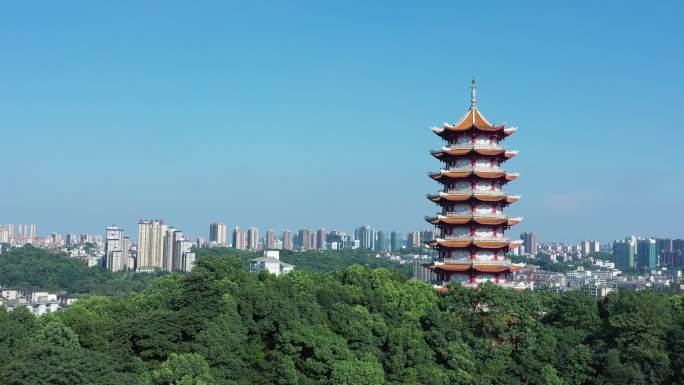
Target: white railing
[471, 146]
[474, 191]
[473, 262]
[468, 237]
[476, 169]
[472, 215]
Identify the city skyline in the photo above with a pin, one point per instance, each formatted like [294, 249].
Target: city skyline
[184, 91]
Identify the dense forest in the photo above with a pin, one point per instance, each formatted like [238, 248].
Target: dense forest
[223, 325]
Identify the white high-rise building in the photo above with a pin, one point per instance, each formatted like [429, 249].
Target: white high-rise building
[239, 239]
[270, 240]
[10, 231]
[253, 238]
[184, 258]
[129, 260]
[287, 240]
[218, 233]
[169, 241]
[4, 235]
[116, 249]
[151, 245]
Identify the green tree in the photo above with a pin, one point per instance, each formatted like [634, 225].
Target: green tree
[182, 369]
[357, 372]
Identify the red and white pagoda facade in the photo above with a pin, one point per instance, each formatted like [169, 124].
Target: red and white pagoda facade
[471, 219]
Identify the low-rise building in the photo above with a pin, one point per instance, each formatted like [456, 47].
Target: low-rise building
[270, 262]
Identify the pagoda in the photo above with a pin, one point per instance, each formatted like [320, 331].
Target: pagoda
[471, 219]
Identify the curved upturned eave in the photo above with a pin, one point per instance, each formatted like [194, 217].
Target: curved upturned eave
[473, 118]
[446, 153]
[482, 197]
[469, 219]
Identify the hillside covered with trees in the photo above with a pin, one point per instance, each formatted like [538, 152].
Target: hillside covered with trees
[315, 261]
[35, 268]
[223, 325]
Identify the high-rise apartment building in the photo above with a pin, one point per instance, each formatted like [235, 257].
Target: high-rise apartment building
[270, 240]
[167, 255]
[10, 231]
[413, 240]
[151, 244]
[28, 231]
[4, 235]
[183, 257]
[381, 242]
[287, 240]
[239, 239]
[71, 239]
[218, 233]
[253, 238]
[590, 247]
[116, 249]
[305, 240]
[321, 238]
[395, 241]
[647, 256]
[366, 237]
[529, 243]
[624, 252]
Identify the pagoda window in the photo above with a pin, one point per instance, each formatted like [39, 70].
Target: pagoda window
[483, 162]
[482, 185]
[484, 208]
[458, 163]
[460, 231]
[460, 209]
[463, 139]
[485, 255]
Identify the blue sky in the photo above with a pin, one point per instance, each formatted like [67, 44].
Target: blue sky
[317, 114]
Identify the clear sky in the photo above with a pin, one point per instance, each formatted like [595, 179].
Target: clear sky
[318, 114]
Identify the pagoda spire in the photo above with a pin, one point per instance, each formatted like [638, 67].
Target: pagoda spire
[473, 95]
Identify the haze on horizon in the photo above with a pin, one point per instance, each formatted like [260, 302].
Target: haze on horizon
[313, 115]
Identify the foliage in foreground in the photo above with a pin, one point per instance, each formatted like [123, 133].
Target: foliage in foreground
[223, 325]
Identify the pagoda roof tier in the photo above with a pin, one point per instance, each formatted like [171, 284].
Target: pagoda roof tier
[465, 195]
[472, 119]
[465, 265]
[480, 219]
[452, 130]
[466, 172]
[478, 242]
[449, 152]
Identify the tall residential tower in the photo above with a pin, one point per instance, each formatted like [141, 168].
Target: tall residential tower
[151, 235]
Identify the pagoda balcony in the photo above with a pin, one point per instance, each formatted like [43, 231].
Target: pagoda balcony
[472, 146]
[469, 237]
[474, 169]
[475, 191]
[474, 285]
[461, 214]
[474, 262]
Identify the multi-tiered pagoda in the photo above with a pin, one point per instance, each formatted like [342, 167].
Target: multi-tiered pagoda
[471, 219]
